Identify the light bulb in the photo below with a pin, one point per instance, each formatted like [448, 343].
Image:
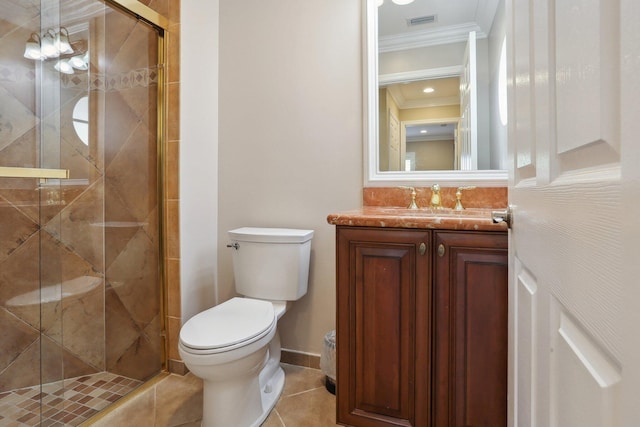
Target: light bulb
[78, 62]
[32, 48]
[48, 48]
[64, 67]
[62, 42]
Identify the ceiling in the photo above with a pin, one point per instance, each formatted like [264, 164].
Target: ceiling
[453, 20]
[412, 95]
[434, 132]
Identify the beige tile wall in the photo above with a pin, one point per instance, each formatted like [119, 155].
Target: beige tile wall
[171, 9]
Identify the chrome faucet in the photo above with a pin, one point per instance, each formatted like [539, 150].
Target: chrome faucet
[436, 202]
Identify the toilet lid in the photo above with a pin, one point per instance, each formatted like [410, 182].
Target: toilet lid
[232, 322]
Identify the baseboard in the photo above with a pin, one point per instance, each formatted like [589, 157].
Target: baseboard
[308, 360]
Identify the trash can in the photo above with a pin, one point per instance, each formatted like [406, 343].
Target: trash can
[328, 361]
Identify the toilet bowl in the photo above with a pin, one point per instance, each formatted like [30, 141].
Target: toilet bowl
[234, 347]
[230, 360]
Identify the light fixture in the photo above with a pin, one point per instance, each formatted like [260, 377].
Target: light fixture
[380, 2]
[423, 131]
[51, 44]
[47, 45]
[32, 48]
[61, 42]
[428, 90]
[80, 62]
[64, 66]
[402, 2]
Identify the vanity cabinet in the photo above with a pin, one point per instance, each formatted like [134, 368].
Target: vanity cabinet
[383, 340]
[470, 329]
[421, 327]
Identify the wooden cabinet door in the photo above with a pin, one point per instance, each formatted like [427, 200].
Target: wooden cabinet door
[383, 298]
[470, 342]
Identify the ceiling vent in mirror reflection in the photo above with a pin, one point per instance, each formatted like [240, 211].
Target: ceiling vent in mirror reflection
[429, 19]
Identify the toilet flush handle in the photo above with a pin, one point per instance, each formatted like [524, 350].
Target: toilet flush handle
[235, 245]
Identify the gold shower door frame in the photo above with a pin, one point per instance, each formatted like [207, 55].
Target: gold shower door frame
[161, 24]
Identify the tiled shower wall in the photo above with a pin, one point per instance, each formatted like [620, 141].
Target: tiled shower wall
[112, 322]
[172, 196]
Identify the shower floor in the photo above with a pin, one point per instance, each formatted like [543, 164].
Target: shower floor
[56, 404]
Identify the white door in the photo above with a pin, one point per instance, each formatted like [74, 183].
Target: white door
[467, 156]
[574, 138]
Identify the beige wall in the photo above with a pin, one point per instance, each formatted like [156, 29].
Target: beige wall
[433, 155]
[290, 136]
[444, 112]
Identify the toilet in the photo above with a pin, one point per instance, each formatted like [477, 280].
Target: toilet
[235, 347]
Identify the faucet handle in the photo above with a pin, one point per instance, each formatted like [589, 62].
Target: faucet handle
[413, 204]
[459, 206]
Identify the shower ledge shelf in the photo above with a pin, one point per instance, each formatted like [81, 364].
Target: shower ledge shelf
[119, 224]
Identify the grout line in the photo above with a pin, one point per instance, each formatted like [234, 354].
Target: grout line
[303, 392]
[279, 417]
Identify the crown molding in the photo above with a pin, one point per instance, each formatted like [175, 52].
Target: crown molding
[425, 38]
[415, 75]
[430, 138]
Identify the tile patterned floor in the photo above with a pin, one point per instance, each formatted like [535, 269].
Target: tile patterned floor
[304, 402]
[177, 401]
[63, 404]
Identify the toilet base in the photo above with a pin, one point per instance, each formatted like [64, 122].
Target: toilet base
[243, 393]
[270, 393]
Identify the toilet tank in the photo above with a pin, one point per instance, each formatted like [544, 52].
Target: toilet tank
[271, 263]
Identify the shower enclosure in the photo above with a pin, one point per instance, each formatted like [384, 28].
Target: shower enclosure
[81, 294]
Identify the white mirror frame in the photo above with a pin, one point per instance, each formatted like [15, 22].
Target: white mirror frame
[372, 176]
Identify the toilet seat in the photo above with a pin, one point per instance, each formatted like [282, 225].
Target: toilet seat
[235, 323]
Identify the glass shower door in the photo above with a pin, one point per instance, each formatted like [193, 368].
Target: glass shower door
[80, 271]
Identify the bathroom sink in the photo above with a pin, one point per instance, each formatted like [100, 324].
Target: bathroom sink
[430, 212]
[445, 218]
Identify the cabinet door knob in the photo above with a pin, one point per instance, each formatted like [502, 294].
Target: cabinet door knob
[423, 248]
[441, 250]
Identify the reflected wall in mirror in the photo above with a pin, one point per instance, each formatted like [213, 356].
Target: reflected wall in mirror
[424, 70]
[427, 114]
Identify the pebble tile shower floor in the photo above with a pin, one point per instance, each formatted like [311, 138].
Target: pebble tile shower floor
[67, 404]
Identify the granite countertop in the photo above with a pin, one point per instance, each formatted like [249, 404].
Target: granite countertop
[473, 219]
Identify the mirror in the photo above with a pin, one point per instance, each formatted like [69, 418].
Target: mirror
[423, 45]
